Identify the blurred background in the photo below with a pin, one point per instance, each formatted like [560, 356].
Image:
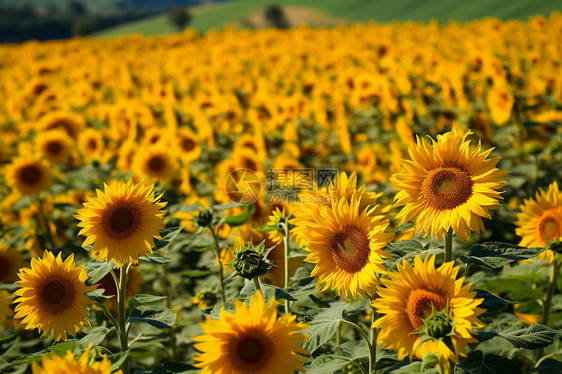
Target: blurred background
[22, 20]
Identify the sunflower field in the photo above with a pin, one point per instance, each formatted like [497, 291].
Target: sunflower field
[372, 198]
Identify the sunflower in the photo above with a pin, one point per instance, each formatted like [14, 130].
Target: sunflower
[52, 364]
[411, 295]
[500, 103]
[122, 221]
[53, 295]
[277, 216]
[187, 144]
[72, 123]
[341, 187]
[90, 143]
[11, 261]
[54, 145]
[346, 244]
[448, 186]
[155, 164]
[540, 220]
[28, 175]
[253, 340]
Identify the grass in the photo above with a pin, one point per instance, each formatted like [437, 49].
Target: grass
[214, 16]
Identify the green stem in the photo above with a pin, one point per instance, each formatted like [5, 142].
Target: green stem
[367, 340]
[173, 344]
[219, 262]
[286, 260]
[258, 285]
[449, 245]
[44, 226]
[373, 348]
[338, 335]
[122, 317]
[548, 300]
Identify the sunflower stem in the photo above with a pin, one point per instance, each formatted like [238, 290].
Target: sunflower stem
[285, 226]
[121, 299]
[43, 225]
[258, 285]
[365, 337]
[219, 262]
[449, 245]
[548, 299]
[373, 345]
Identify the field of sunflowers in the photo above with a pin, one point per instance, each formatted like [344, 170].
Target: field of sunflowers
[357, 199]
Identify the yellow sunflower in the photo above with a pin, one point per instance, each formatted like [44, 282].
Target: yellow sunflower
[277, 215]
[253, 340]
[28, 175]
[155, 164]
[54, 145]
[412, 296]
[187, 144]
[52, 364]
[500, 103]
[540, 220]
[122, 221]
[448, 186]
[341, 188]
[52, 296]
[90, 143]
[11, 261]
[346, 244]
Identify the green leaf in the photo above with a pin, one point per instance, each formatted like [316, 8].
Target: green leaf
[142, 299]
[117, 360]
[492, 302]
[98, 269]
[195, 273]
[417, 367]
[323, 326]
[156, 258]
[392, 264]
[476, 363]
[157, 316]
[59, 349]
[227, 206]
[548, 366]
[346, 354]
[268, 292]
[495, 255]
[94, 337]
[239, 220]
[404, 227]
[520, 335]
[98, 297]
[167, 235]
[172, 368]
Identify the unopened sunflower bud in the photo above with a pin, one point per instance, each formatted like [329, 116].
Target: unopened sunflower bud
[556, 246]
[204, 218]
[249, 264]
[439, 324]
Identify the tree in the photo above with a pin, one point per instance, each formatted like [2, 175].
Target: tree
[179, 17]
[275, 16]
[76, 8]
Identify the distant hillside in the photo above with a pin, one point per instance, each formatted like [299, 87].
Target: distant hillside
[210, 16]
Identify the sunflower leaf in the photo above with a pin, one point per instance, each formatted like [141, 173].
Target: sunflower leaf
[495, 255]
[167, 235]
[344, 355]
[157, 316]
[117, 360]
[477, 363]
[521, 335]
[95, 336]
[239, 220]
[492, 302]
[98, 269]
[548, 366]
[171, 368]
[323, 326]
[269, 292]
[156, 258]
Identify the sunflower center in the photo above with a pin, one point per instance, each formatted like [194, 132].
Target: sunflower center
[156, 164]
[57, 295]
[54, 148]
[92, 144]
[187, 144]
[447, 187]
[420, 304]
[251, 350]
[121, 220]
[350, 249]
[550, 228]
[30, 175]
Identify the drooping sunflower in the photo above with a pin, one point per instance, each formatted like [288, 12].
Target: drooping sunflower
[253, 340]
[52, 296]
[28, 175]
[540, 220]
[346, 244]
[54, 145]
[11, 261]
[447, 185]
[122, 221]
[155, 164]
[412, 296]
[52, 364]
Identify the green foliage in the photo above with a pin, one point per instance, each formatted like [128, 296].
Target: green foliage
[496, 255]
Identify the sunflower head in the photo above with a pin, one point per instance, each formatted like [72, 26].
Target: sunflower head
[251, 261]
[205, 299]
[122, 221]
[155, 164]
[28, 175]
[427, 310]
[253, 340]
[52, 296]
[68, 364]
[54, 145]
[446, 185]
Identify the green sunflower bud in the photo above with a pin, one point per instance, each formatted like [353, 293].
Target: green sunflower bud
[439, 324]
[249, 264]
[204, 218]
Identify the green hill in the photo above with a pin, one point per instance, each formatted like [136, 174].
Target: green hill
[215, 15]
